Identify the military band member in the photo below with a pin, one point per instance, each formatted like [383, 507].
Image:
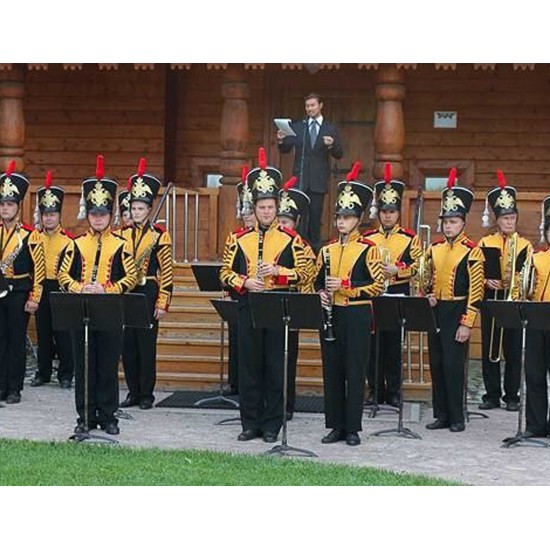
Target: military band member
[98, 262]
[400, 252]
[263, 258]
[293, 204]
[124, 218]
[506, 342]
[537, 348]
[55, 239]
[152, 251]
[22, 268]
[349, 274]
[456, 292]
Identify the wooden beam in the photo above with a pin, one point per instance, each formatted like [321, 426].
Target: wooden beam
[12, 120]
[171, 104]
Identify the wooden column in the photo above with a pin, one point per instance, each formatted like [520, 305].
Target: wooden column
[234, 135]
[12, 120]
[389, 132]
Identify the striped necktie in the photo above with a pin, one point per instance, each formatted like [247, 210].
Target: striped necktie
[313, 133]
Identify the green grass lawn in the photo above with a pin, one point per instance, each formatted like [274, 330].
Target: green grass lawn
[36, 463]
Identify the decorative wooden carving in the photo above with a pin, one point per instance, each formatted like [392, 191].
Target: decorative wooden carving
[367, 66]
[5, 66]
[406, 66]
[180, 66]
[72, 66]
[485, 66]
[389, 131]
[445, 66]
[108, 66]
[254, 66]
[144, 66]
[216, 66]
[37, 66]
[524, 66]
[329, 66]
[12, 121]
[291, 66]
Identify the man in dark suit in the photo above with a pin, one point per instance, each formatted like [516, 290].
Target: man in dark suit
[316, 140]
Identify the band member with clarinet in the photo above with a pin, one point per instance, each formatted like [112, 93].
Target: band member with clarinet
[49, 204]
[263, 258]
[22, 270]
[400, 253]
[502, 344]
[152, 251]
[349, 274]
[536, 283]
[455, 292]
[293, 204]
[98, 262]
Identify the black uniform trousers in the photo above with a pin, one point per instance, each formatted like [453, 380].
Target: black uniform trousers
[310, 223]
[261, 355]
[511, 348]
[233, 360]
[50, 341]
[388, 344]
[139, 355]
[537, 368]
[447, 362]
[13, 342]
[293, 342]
[105, 348]
[345, 363]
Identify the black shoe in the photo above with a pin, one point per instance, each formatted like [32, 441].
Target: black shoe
[458, 427]
[334, 436]
[352, 439]
[38, 381]
[289, 416]
[437, 425]
[512, 406]
[231, 390]
[3, 396]
[146, 404]
[393, 401]
[129, 402]
[529, 433]
[270, 437]
[65, 384]
[112, 428]
[247, 435]
[370, 401]
[82, 429]
[13, 398]
[487, 405]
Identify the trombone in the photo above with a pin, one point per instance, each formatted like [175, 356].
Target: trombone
[386, 260]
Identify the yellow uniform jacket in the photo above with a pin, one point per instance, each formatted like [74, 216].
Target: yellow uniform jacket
[357, 263]
[457, 271]
[22, 259]
[55, 244]
[541, 274]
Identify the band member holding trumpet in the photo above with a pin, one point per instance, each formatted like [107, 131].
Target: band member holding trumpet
[98, 262]
[22, 270]
[537, 349]
[400, 252]
[455, 291]
[349, 274]
[502, 344]
[152, 251]
[262, 258]
[293, 204]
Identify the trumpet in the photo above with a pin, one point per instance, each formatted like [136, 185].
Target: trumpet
[510, 275]
[386, 260]
[328, 329]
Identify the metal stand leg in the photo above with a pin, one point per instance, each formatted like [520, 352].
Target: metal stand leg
[519, 438]
[284, 448]
[468, 413]
[400, 430]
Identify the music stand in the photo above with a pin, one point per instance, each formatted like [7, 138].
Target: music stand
[286, 310]
[407, 313]
[208, 280]
[98, 312]
[514, 315]
[468, 413]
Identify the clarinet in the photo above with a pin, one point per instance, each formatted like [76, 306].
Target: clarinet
[95, 268]
[328, 329]
[260, 253]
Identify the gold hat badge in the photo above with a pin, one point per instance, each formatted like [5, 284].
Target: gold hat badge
[264, 183]
[389, 195]
[505, 200]
[99, 196]
[452, 202]
[140, 189]
[9, 189]
[348, 198]
[49, 200]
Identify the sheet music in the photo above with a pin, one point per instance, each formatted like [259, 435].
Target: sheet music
[283, 124]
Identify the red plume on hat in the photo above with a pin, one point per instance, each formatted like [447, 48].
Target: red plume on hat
[10, 168]
[244, 173]
[501, 179]
[451, 181]
[99, 168]
[129, 186]
[290, 183]
[354, 172]
[262, 160]
[142, 166]
[387, 172]
[49, 177]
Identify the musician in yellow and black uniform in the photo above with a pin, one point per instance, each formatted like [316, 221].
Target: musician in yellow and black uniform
[537, 347]
[263, 258]
[22, 270]
[124, 218]
[456, 292]
[152, 250]
[349, 274]
[502, 200]
[49, 203]
[98, 262]
[400, 252]
[293, 205]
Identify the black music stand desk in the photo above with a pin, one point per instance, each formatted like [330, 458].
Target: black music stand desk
[521, 315]
[404, 313]
[286, 310]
